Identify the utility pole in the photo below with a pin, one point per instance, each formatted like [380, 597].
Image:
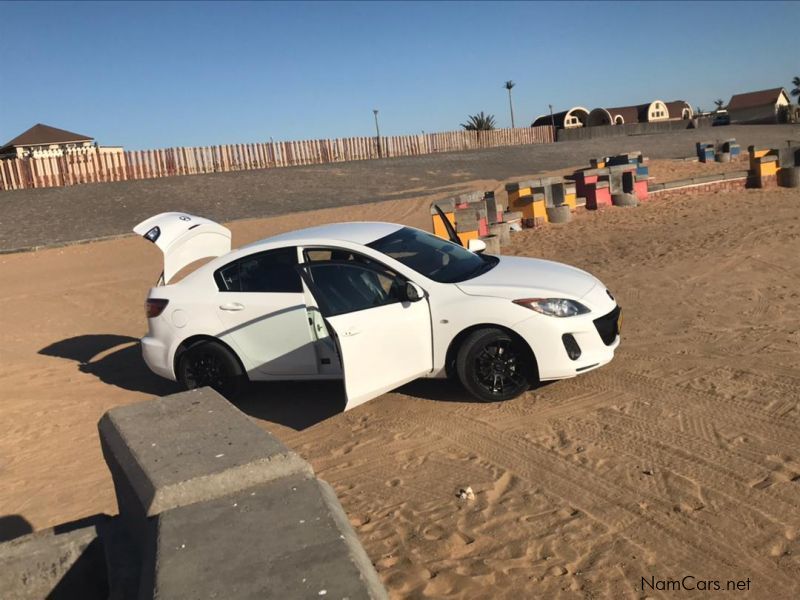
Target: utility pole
[377, 131]
[508, 85]
[552, 119]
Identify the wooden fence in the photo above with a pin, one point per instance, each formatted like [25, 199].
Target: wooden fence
[93, 167]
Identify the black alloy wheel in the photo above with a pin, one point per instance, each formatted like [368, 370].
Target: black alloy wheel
[209, 364]
[493, 366]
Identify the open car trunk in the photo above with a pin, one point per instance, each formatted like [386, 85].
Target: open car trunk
[184, 239]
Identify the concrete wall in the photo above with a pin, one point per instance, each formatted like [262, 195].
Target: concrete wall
[210, 506]
[603, 131]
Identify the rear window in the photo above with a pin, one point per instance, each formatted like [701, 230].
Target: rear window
[272, 271]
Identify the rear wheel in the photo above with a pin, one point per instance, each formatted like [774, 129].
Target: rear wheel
[492, 365]
[211, 364]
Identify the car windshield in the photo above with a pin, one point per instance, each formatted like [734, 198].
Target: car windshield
[433, 257]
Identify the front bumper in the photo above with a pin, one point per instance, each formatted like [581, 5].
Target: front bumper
[597, 337]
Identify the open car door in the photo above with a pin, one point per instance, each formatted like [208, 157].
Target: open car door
[380, 321]
[184, 239]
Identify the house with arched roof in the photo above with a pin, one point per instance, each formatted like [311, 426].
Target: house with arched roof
[650, 112]
[576, 116]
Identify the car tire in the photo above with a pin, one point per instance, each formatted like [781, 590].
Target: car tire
[493, 366]
[211, 364]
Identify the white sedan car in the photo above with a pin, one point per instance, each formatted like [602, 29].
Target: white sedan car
[375, 304]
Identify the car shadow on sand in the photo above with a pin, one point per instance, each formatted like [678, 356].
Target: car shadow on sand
[117, 360]
[113, 359]
[440, 390]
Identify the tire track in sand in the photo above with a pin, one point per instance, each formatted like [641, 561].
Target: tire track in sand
[609, 504]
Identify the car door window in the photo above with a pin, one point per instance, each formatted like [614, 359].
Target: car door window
[350, 286]
[270, 271]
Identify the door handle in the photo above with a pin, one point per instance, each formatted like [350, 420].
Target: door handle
[351, 332]
[232, 306]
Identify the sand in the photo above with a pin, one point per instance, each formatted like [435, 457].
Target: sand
[681, 457]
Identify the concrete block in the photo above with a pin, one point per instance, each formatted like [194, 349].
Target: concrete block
[494, 209]
[185, 448]
[514, 220]
[447, 205]
[467, 219]
[708, 178]
[788, 156]
[615, 181]
[492, 243]
[597, 163]
[502, 231]
[735, 174]
[47, 564]
[519, 186]
[545, 192]
[583, 174]
[286, 539]
[700, 149]
[439, 227]
[677, 183]
[640, 188]
[628, 181]
[598, 195]
[619, 160]
[558, 193]
[469, 197]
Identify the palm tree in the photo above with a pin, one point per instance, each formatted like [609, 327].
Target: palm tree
[508, 85]
[796, 90]
[479, 122]
[719, 104]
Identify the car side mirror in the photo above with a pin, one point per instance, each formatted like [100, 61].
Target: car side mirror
[413, 292]
[477, 246]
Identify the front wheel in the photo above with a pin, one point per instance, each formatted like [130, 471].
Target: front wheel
[492, 365]
[211, 364]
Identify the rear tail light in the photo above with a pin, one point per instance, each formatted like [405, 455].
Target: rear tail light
[154, 307]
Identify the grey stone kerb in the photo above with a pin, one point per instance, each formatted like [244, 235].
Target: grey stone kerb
[190, 447]
[218, 508]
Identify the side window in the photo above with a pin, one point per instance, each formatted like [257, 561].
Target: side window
[270, 271]
[345, 287]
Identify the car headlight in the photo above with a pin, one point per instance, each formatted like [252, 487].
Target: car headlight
[553, 307]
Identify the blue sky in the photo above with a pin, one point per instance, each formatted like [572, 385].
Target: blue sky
[147, 75]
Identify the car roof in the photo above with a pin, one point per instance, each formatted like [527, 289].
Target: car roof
[362, 232]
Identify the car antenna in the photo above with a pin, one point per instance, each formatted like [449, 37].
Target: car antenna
[451, 233]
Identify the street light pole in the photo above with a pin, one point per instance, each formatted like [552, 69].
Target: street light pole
[377, 131]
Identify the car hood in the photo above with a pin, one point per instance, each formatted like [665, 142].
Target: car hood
[517, 277]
